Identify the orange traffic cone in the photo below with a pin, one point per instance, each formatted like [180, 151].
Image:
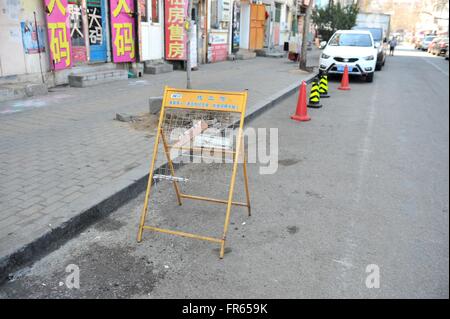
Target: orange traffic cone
[301, 113]
[344, 83]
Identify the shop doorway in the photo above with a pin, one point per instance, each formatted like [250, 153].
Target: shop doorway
[96, 14]
[199, 15]
[152, 31]
[257, 26]
[78, 32]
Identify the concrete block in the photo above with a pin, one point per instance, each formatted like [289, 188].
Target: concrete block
[275, 55]
[11, 91]
[158, 68]
[155, 104]
[94, 78]
[36, 89]
[272, 54]
[124, 117]
[245, 55]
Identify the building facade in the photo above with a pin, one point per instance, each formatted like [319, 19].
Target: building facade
[49, 39]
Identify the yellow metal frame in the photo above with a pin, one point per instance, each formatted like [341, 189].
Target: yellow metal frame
[229, 202]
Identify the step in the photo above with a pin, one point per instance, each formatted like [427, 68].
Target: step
[269, 54]
[245, 55]
[12, 91]
[92, 67]
[157, 68]
[94, 78]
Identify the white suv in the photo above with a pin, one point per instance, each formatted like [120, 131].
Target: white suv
[354, 48]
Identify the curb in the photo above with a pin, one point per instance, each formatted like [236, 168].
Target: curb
[125, 189]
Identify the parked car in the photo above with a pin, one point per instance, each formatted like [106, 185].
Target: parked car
[432, 43]
[352, 48]
[439, 47]
[426, 42]
[377, 35]
[418, 43]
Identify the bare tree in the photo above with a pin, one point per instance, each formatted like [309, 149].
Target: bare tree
[440, 5]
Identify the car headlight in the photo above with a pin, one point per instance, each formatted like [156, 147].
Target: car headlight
[324, 56]
[369, 58]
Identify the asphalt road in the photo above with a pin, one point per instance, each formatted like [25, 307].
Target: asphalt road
[365, 182]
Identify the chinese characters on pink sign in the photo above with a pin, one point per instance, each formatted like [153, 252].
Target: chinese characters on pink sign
[122, 30]
[58, 34]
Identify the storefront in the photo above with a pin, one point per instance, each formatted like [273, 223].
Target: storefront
[87, 35]
[219, 32]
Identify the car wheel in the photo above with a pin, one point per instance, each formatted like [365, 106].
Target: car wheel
[369, 78]
[378, 67]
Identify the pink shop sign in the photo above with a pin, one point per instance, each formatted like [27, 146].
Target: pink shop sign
[123, 30]
[58, 34]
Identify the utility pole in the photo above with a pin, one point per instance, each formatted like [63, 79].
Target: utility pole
[39, 46]
[271, 20]
[306, 21]
[188, 26]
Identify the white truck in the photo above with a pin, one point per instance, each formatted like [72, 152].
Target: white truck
[379, 25]
[375, 20]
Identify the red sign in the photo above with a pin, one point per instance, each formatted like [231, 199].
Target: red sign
[175, 32]
[219, 52]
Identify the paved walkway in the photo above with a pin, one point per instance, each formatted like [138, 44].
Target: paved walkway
[61, 153]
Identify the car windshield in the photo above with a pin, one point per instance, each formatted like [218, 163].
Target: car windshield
[429, 38]
[377, 33]
[351, 40]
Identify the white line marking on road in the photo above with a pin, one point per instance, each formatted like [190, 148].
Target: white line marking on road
[366, 145]
[436, 66]
[366, 149]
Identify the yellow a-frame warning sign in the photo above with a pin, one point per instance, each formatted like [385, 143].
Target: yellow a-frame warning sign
[201, 127]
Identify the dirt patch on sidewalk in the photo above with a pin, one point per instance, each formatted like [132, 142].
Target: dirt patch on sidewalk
[145, 122]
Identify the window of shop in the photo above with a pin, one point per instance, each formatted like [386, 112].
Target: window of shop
[214, 14]
[76, 23]
[143, 10]
[155, 11]
[277, 12]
